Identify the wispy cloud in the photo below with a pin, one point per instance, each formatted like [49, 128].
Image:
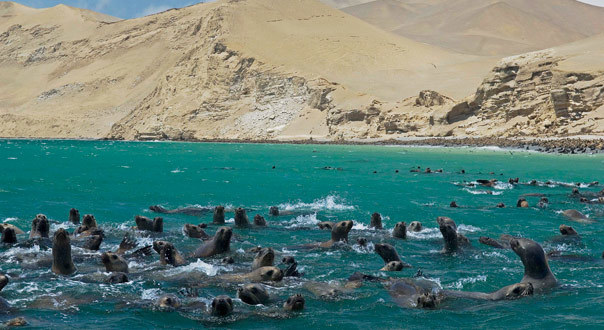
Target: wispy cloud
[153, 9]
[101, 5]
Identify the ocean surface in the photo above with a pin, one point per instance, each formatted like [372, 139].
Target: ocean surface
[117, 180]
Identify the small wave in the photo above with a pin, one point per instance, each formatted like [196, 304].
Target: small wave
[198, 266]
[12, 158]
[482, 192]
[151, 294]
[368, 249]
[468, 228]
[426, 233]
[331, 202]
[303, 221]
[503, 185]
[361, 226]
[9, 220]
[468, 280]
[177, 171]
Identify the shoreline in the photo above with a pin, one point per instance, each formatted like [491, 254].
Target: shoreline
[575, 145]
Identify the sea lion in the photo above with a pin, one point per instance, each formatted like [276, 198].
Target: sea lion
[194, 231]
[40, 227]
[414, 293]
[376, 221]
[114, 262]
[88, 227]
[568, 230]
[17, 230]
[510, 292]
[577, 216]
[536, 267]
[228, 260]
[93, 242]
[253, 294]
[3, 281]
[222, 306]
[522, 203]
[491, 242]
[264, 257]
[220, 243]
[294, 303]
[400, 230]
[8, 236]
[453, 240]
[415, 226]
[453, 204]
[259, 221]
[62, 263]
[145, 224]
[218, 218]
[326, 225]
[362, 241]
[273, 211]
[292, 267]
[487, 183]
[16, 322]
[393, 266]
[388, 254]
[116, 278]
[513, 181]
[168, 254]
[168, 302]
[262, 274]
[193, 210]
[241, 219]
[500, 205]
[543, 203]
[74, 216]
[339, 233]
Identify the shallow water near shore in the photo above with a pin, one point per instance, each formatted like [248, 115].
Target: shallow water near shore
[117, 180]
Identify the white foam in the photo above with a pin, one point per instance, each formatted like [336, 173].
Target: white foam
[361, 226]
[303, 221]
[9, 220]
[198, 266]
[425, 234]
[368, 249]
[468, 280]
[330, 202]
[468, 228]
[482, 192]
[151, 294]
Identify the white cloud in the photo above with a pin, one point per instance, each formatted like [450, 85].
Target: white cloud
[153, 9]
[101, 4]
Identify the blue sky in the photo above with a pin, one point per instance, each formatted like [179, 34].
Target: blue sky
[138, 8]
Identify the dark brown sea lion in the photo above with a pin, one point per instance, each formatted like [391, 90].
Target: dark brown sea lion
[168, 254]
[536, 267]
[264, 257]
[376, 221]
[453, 240]
[93, 242]
[74, 216]
[17, 230]
[453, 204]
[114, 262]
[294, 303]
[220, 243]
[253, 294]
[241, 219]
[194, 231]
[221, 306]
[143, 223]
[292, 267]
[487, 183]
[62, 263]
[40, 227]
[400, 230]
[116, 278]
[388, 253]
[393, 266]
[8, 236]
[218, 218]
[259, 221]
[522, 203]
[567, 230]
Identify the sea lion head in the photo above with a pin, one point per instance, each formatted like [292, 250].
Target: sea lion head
[453, 204]
[228, 260]
[114, 262]
[447, 227]
[427, 300]
[259, 220]
[567, 230]
[387, 252]
[340, 231]
[264, 257]
[9, 236]
[500, 205]
[362, 241]
[222, 238]
[118, 277]
[269, 273]
[194, 231]
[168, 302]
[519, 290]
[74, 216]
[143, 223]
[241, 219]
[376, 221]
[274, 211]
[532, 256]
[222, 306]
[294, 303]
[393, 266]
[93, 242]
[328, 225]
[400, 230]
[3, 281]
[40, 227]
[61, 252]
[288, 260]
[415, 226]
[253, 294]
[219, 214]
[89, 221]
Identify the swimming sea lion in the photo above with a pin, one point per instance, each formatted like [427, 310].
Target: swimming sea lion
[168, 302]
[388, 254]
[294, 303]
[222, 306]
[228, 260]
[88, 227]
[264, 257]
[253, 294]
[220, 243]
[93, 242]
[8, 236]
[453, 240]
[74, 216]
[543, 203]
[510, 292]
[40, 227]
[536, 267]
[577, 216]
[262, 274]
[415, 226]
[487, 183]
[194, 231]
[362, 241]
[193, 211]
[522, 203]
[3, 281]
[62, 263]
[114, 262]
[292, 267]
[400, 230]
[339, 233]
[168, 254]
[500, 205]
[116, 278]
[143, 223]
[453, 204]
[218, 215]
[259, 221]
[327, 225]
[393, 266]
[241, 219]
[376, 221]
[414, 293]
[568, 230]
[18, 231]
[274, 211]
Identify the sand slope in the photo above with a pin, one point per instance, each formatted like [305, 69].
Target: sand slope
[485, 27]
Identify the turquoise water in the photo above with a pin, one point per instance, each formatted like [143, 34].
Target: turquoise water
[117, 180]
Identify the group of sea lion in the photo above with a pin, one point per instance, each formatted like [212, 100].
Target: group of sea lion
[415, 292]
